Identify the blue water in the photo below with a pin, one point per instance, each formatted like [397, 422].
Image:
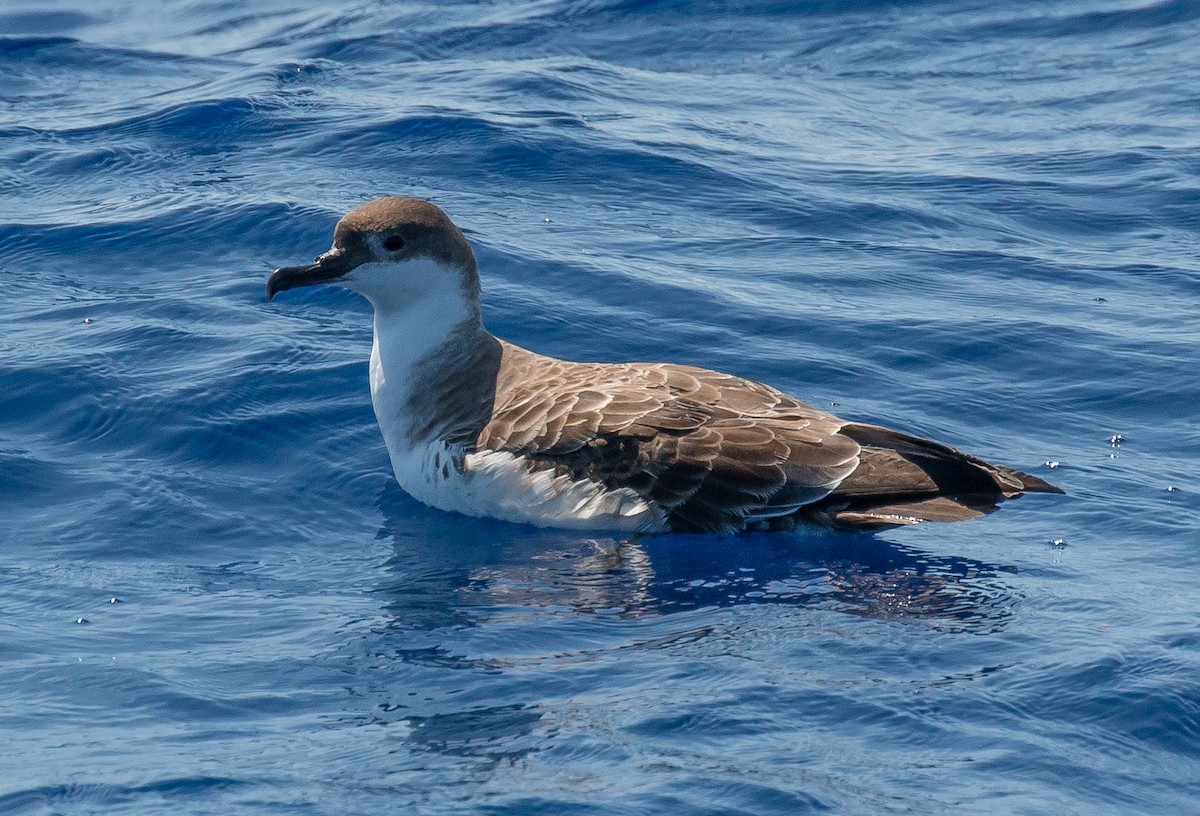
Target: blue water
[977, 221]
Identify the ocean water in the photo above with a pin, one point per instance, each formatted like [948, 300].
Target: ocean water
[971, 220]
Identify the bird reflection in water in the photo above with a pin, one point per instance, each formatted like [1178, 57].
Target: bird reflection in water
[485, 564]
[632, 577]
[462, 639]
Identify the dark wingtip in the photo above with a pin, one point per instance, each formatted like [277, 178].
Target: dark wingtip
[1033, 484]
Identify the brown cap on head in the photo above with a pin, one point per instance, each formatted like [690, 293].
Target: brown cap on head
[426, 230]
[387, 229]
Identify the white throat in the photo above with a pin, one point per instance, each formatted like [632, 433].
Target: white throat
[406, 332]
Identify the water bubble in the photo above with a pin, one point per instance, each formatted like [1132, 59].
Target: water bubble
[1115, 440]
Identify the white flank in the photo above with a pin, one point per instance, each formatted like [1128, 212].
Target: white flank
[495, 484]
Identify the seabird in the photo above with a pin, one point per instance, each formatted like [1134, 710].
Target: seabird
[480, 426]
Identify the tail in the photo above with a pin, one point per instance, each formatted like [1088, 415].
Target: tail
[903, 479]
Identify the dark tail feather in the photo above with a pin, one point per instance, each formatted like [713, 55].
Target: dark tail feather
[904, 479]
[1032, 484]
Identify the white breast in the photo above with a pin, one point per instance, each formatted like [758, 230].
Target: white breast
[494, 484]
[490, 484]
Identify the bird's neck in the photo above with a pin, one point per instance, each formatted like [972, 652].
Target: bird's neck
[433, 372]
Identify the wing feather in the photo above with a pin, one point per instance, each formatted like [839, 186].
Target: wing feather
[711, 450]
[716, 452]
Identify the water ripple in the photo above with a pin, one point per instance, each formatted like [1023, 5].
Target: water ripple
[972, 222]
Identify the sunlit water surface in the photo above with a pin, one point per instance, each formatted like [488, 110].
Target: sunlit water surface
[976, 221]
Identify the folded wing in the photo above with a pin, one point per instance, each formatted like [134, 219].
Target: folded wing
[719, 453]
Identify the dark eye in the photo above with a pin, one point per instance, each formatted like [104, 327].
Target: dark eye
[393, 243]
